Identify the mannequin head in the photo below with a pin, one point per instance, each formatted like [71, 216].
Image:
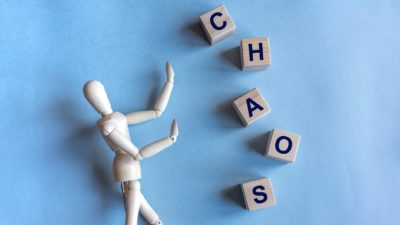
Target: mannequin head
[96, 95]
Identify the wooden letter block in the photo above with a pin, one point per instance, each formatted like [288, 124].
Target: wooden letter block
[255, 54]
[282, 145]
[251, 106]
[217, 24]
[258, 194]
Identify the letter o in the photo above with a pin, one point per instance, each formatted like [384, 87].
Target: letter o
[289, 147]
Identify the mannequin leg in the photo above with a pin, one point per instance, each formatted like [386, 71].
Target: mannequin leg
[123, 195]
[132, 201]
[148, 212]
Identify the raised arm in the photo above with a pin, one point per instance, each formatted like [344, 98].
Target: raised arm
[161, 103]
[158, 146]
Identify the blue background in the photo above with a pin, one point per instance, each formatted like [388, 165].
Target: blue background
[334, 79]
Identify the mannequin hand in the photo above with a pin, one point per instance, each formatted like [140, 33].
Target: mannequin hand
[170, 73]
[174, 131]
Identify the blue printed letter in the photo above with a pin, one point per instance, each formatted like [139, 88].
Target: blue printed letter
[260, 193]
[289, 147]
[251, 108]
[215, 25]
[260, 50]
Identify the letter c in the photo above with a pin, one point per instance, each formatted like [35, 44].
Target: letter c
[213, 22]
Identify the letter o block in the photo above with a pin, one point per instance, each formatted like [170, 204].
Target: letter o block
[255, 53]
[282, 145]
[251, 106]
[258, 194]
[217, 24]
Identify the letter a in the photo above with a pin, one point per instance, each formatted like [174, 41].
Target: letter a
[252, 105]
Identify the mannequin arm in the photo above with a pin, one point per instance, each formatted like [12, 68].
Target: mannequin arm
[154, 148]
[141, 116]
[116, 138]
[157, 146]
[161, 103]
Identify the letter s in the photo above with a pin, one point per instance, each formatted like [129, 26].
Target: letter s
[258, 191]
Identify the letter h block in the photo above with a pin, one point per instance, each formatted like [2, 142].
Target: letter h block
[217, 24]
[258, 194]
[251, 106]
[282, 145]
[255, 54]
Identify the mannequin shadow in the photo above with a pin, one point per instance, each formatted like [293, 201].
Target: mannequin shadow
[232, 55]
[83, 145]
[159, 78]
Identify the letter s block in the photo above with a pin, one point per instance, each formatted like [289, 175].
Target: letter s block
[217, 24]
[258, 194]
[255, 53]
[282, 145]
[251, 106]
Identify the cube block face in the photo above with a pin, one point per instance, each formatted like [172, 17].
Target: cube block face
[258, 194]
[217, 24]
[251, 106]
[282, 145]
[255, 53]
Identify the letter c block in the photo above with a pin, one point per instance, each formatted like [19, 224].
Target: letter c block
[217, 24]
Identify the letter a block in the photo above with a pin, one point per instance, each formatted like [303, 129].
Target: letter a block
[251, 106]
[258, 194]
[282, 145]
[217, 24]
[255, 53]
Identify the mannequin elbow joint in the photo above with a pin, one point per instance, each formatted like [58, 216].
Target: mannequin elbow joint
[158, 113]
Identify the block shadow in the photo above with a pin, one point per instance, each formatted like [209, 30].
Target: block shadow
[232, 55]
[235, 195]
[196, 33]
[227, 114]
[258, 144]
